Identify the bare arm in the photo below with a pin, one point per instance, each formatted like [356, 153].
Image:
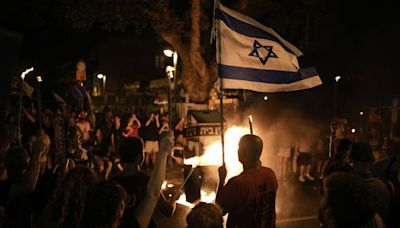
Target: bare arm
[138, 122]
[31, 176]
[157, 121]
[146, 208]
[148, 122]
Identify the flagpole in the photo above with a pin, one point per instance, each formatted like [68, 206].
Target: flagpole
[216, 35]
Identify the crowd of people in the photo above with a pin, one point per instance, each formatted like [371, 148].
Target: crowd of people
[97, 175]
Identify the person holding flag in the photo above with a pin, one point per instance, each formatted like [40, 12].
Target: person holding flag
[254, 57]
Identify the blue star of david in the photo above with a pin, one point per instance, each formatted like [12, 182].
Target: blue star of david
[263, 59]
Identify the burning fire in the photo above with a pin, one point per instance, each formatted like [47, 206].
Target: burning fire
[213, 156]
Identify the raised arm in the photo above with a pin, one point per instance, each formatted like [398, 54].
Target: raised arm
[31, 176]
[137, 120]
[148, 122]
[146, 208]
[157, 117]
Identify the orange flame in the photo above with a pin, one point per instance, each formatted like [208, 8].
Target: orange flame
[213, 156]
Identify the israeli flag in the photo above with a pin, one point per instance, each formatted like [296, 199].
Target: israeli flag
[255, 57]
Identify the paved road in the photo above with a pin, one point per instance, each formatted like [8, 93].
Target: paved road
[297, 204]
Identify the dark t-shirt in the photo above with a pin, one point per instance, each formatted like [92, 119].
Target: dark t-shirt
[135, 187]
[118, 137]
[250, 198]
[151, 132]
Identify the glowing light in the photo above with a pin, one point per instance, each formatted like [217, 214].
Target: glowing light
[265, 98]
[213, 155]
[27, 71]
[361, 113]
[208, 197]
[353, 130]
[101, 76]
[170, 185]
[164, 185]
[169, 53]
[39, 78]
[337, 78]
[170, 71]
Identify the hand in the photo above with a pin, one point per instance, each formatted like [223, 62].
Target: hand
[222, 173]
[40, 144]
[166, 142]
[156, 116]
[175, 195]
[151, 115]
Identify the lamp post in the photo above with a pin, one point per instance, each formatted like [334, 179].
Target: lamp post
[332, 142]
[103, 77]
[169, 70]
[171, 73]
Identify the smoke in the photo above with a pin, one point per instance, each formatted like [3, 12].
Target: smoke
[283, 127]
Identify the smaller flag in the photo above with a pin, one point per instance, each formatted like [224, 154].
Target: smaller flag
[255, 57]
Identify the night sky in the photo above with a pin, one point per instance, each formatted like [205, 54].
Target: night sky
[356, 39]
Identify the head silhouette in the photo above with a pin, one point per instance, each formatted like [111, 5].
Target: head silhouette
[250, 148]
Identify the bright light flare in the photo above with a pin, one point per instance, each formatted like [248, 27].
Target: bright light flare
[265, 98]
[361, 113]
[101, 76]
[169, 53]
[27, 71]
[164, 185]
[213, 155]
[208, 197]
[39, 78]
[337, 78]
[353, 130]
[170, 71]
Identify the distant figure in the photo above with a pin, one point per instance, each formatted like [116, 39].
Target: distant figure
[151, 137]
[116, 133]
[340, 160]
[132, 127]
[347, 203]
[249, 198]
[205, 215]
[284, 155]
[304, 159]
[381, 191]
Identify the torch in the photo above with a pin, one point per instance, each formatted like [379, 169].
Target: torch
[251, 124]
[27, 71]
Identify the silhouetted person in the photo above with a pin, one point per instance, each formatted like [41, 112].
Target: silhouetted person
[249, 198]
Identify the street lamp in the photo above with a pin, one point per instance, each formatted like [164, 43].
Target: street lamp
[332, 143]
[171, 72]
[103, 77]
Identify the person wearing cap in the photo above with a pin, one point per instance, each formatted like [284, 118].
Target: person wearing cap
[249, 198]
[362, 159]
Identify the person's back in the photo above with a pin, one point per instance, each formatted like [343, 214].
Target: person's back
[380, 192]
[135, 186]
[250, 197]
[132, 179]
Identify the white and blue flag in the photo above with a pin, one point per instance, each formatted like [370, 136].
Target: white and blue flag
[255, 57]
